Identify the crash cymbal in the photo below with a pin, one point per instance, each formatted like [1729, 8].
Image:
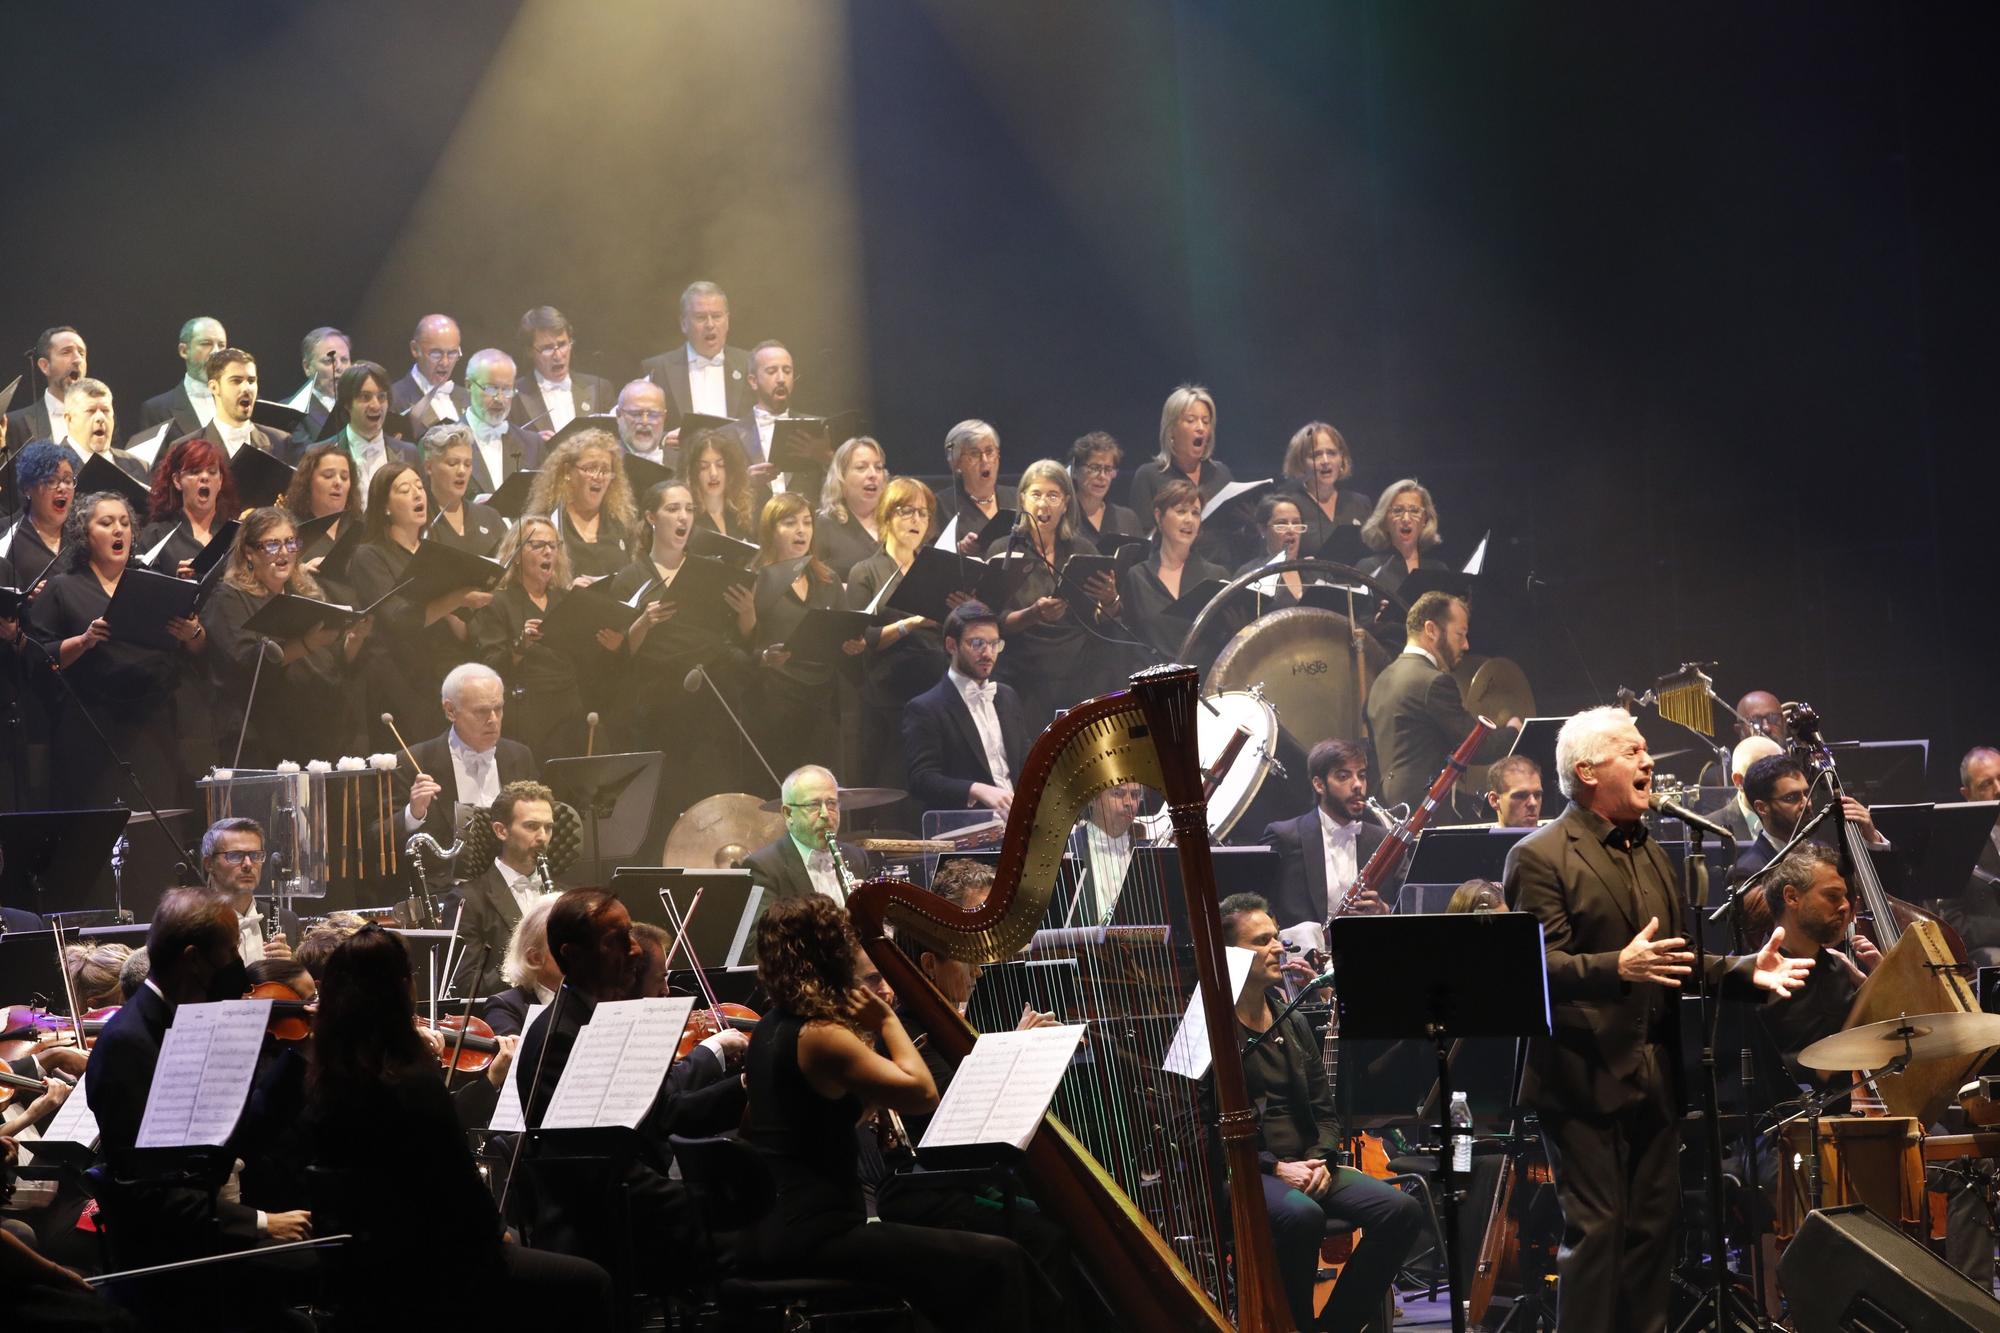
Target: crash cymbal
[851, 798]
[146, 816]
[1928, 1037]
[719, 831]
[1303, 658]
[1495, 688]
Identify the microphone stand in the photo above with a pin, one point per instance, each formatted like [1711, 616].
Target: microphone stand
[184, 868]
[702, 672]
[1305, 993]
[264, 646]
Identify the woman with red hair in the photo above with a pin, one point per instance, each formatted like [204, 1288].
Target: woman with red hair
[193, 495]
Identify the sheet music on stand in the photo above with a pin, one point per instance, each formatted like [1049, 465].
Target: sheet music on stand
[615, 1069]
[71, 1136]
[1002, 1089]
[1188, 1055]
[509, 1117]
[203, 1077]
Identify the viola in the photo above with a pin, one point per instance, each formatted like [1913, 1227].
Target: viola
[291, 1015]
[15, 1085]
[474, 1050]
[705, 1023]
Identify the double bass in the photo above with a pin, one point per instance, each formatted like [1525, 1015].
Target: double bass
[1923, 968]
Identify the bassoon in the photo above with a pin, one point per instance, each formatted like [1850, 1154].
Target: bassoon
[1399, 840]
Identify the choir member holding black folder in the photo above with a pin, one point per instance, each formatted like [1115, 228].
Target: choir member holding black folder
[716, 469]
[1054, 603]
[905, 656]
[848, 528]
[323, 499]
[1093, 466]
[688, 612]
[798, 717]
[193, 495]
[584, 491]
[1164, 594]
[549, 665]
[268, 605]
[420, 633]
[455, 520]
[121, 676]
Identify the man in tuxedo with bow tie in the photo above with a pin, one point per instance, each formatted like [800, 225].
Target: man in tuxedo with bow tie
[1608, 1083]
[325, 355]
[1321, 853]
[499, 447]
[63, 360]
[524, 819]
[427, 394]
[189, 404]
[642, 424]
[554, 393]
[964, 737]
[1416, 715]
[467, 765]
[704, 374]
[799, 863]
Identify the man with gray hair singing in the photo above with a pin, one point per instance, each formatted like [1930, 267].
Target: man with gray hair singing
[1608, 1084]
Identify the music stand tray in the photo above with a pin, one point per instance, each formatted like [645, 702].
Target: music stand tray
[1937, 845]
[614, 793]
[1439, 978]
[53, 857]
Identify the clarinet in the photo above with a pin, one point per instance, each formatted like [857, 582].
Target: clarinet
[841, 875]
[542, 869]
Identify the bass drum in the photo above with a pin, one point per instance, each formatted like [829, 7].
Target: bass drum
[1221, 722]
[1305, 662]
[1496, 689]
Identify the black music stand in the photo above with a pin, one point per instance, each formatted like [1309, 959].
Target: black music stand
[1937, 846]
[1438, 978]
[53, 857]
[719, 932]
[618, 789]
[30, 969]
[1448, 856]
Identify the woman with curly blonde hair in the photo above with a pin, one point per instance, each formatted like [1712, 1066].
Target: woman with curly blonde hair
[584, 492]
[825, 1050]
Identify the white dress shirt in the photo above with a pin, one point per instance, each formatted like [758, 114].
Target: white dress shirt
[234, 437]
[525, 888]
[819, 865]
[203, 400]
[1417, 650]
[478, 771]
[986, 721]
[250, 936]
[368, 457]
[559, 400]
[491, 442]
[440, 395]
[1109, 859]
[708, 383]
[58, 419]
[1343, 860]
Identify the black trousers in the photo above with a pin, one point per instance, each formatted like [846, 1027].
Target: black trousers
[1391, 1220]
[956, 1280]
[1618, 1180]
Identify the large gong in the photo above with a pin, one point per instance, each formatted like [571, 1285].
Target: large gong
[1307, 663]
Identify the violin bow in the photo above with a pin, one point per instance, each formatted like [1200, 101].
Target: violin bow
[464, 1021]
[679, 922]
[69, 984]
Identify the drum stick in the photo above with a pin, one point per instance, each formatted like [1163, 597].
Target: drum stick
[590, 737]
[389, 721]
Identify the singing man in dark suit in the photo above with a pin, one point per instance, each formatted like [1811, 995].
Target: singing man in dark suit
[1608, 1084]
[325, 356]
[1416, 716]
[232, 395]
[964, 737]
[524, 819]
[467, 765]
[499, 447]
[704, 374]
[191, 949]
[189, 404]
[799, 863]
[552, 394]
[427, 394]
[62, 359]
[1321, 853]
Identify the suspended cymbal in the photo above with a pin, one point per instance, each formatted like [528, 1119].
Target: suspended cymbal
[851, 798]
[1494, 687]
[1303, 658]
[1929, 1037]
[719, 831]
[146, 816]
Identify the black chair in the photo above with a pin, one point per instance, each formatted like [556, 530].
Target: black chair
[577, 1202]
[734, 1190]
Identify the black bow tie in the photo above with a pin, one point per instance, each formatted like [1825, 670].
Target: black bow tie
[1626, 837]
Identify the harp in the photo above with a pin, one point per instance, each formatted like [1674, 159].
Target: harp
[1134, 1204]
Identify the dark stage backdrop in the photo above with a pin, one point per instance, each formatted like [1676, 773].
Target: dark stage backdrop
[1689, 306]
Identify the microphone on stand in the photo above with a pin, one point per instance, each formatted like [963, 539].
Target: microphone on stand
[1674, 810]
[693, 682]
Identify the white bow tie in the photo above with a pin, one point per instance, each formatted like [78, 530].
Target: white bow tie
[700, 362]
[981, 690]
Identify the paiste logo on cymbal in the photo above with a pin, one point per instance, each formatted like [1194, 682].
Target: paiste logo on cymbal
[1315, 667]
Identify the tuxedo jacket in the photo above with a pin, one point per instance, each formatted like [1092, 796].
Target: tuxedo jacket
[433, 756]
[174, 405]
[669, 370]
[779, 870]
[518, 449]
[394, 447]
[1416, 718]
[1593, 1062]
[507, 1011]
[27, 424]
[273, 443]
[118, 1081]
[490, 915]
[1300, 893]
[943, 748]
[315, 420]
[591, 395]
[403, 396]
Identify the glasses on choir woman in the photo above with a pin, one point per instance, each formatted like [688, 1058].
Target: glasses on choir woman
[279, 546]
[909, 511]
[540, 545]
[1407, 511]
[1288, 527]
[1099, 469]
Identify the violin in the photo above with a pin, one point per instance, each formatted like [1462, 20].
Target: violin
[25, 1029]
[474, 1050]
[291, 1015]
[13, 1085]
[705, 1023]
